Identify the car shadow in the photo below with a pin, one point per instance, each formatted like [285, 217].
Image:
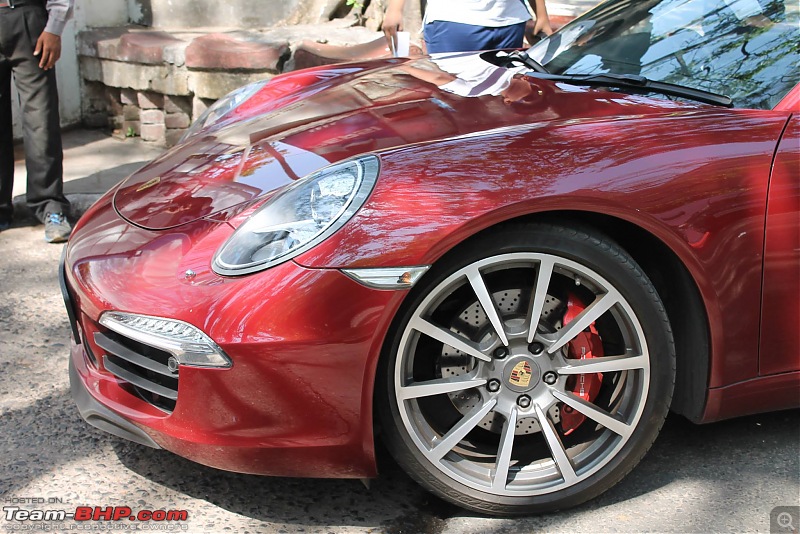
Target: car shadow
[393, 501]
[42, 435]
[47, 435]
[720, 462]
[717, 462]
[397, 504]
[686, 450]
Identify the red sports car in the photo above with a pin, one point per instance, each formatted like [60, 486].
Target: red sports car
[512, 263]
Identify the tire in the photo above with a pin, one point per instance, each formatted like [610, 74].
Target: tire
[501, 422]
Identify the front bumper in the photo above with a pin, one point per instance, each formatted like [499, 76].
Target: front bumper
[101, 417]
[304, 344]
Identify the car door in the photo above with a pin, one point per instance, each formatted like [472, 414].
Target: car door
[780, 318]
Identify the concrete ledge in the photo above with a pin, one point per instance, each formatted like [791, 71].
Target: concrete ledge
[241, 51]
[133, 45]
[314, 54]
[214, 85]
[164, 79]
[152, 84]
[146, 47]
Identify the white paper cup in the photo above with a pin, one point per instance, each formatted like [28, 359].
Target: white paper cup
[403, 44]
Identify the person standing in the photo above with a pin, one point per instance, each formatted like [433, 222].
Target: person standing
[30, 46]
[468, 25]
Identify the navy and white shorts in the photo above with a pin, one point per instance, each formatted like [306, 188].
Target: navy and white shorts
[443, 36]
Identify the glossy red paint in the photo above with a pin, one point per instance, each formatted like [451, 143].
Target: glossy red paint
[285, 407]
[790, 102]
[305, 339]
[703, 194]
[362, 111]
[780, 319]
[763, 394]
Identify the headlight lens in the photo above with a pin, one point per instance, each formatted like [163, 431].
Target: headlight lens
[223, 106]
[299, 217]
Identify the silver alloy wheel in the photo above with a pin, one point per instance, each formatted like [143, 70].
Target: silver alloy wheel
[480, 442]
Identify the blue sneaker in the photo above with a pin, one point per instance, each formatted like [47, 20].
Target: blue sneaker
[56, 228]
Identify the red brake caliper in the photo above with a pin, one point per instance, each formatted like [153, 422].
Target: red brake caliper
[587, 344]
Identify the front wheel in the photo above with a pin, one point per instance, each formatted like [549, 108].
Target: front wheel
[527, 372]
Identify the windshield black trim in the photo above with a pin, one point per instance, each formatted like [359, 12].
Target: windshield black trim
[501, 58]
[640, 83]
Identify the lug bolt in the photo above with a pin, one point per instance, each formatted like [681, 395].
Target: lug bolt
[536, 348]
[493, 385]
[550, 378]
[524, 401]
[500, 353]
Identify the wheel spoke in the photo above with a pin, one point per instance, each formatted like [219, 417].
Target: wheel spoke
[461, 429]
[560, 457]
[543, 275]
[448, 338]
[482, 292]
[504, 452]
[594, 413]
[585, 318]
[606, 364]
[437, 387]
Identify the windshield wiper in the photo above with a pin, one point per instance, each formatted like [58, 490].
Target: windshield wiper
[506, 59]
[633, 81]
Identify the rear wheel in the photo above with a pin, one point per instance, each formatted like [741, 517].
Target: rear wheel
[528, 372]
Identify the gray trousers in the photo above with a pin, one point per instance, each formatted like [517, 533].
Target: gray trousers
[20, 28]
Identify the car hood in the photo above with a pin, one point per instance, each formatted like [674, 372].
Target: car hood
[304, 121]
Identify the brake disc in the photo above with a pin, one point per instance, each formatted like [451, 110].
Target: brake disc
[453, 362]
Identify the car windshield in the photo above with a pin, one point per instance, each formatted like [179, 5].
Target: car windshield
[746, 49]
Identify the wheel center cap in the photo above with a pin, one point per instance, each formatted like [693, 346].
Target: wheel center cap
[521, 374]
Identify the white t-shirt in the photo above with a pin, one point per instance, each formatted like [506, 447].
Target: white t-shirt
[489, 13]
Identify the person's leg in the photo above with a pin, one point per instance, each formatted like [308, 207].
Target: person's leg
[41, 122]
[6, 134]
[6, 146]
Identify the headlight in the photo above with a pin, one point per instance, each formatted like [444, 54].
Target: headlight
[299, 217]
[223, 106]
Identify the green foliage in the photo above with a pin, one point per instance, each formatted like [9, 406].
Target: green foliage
[357, 3]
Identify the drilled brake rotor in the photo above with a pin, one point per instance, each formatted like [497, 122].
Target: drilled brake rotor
[455, 363]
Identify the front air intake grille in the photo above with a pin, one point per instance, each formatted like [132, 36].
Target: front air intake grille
[144, 368]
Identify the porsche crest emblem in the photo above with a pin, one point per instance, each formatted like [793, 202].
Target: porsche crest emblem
[148, 184]
[521, 375]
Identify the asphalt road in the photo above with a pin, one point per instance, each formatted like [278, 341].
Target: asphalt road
[722, 477]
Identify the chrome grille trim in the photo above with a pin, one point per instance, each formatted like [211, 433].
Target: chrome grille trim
[137, 380]
[122, 352]
[143, 369]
